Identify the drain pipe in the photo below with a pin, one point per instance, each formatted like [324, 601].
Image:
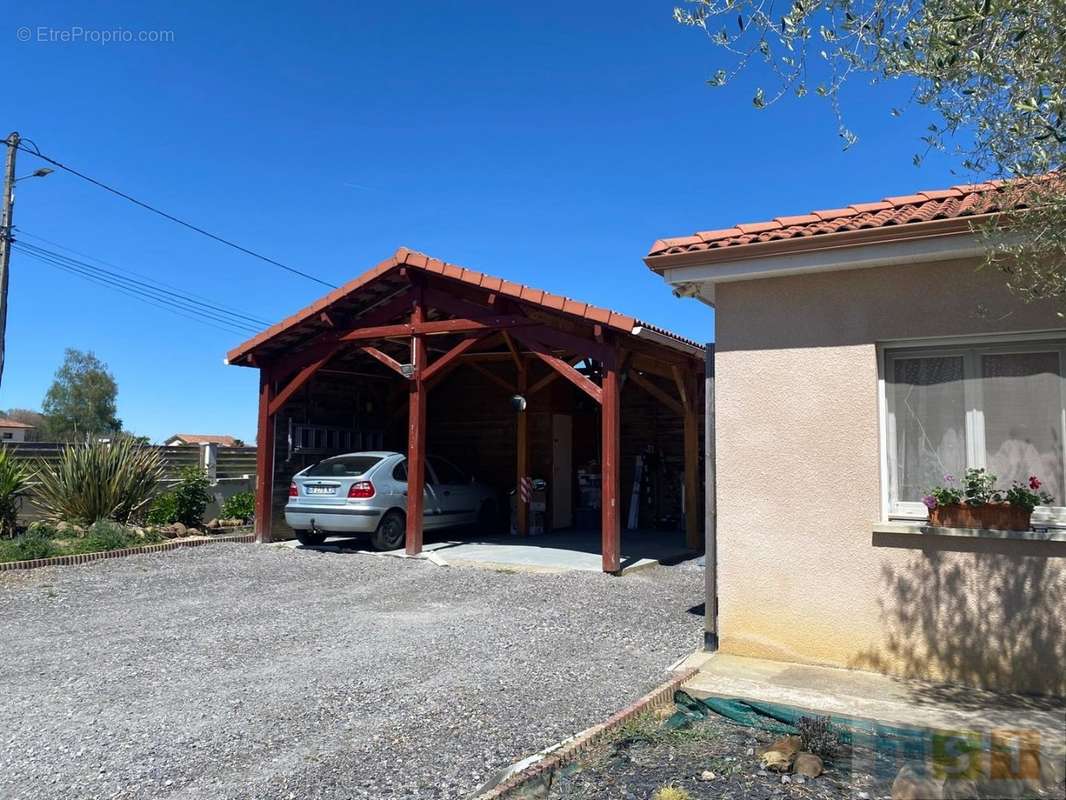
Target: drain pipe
[710, 570]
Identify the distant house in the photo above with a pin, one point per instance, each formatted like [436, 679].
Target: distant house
[861, 355]
[203, 438]
[11, 431]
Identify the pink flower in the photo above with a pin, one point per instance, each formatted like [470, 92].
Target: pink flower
[930, 502]
[1034, 482]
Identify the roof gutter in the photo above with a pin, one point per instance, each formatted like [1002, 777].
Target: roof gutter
[648, 334]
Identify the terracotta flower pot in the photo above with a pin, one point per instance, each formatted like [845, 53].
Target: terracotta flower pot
[994, 516]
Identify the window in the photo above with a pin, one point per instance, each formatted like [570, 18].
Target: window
[999, 406]
[342, 467]
[447, 473]
[399, 472]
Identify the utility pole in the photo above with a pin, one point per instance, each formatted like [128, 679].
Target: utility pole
[6, 224]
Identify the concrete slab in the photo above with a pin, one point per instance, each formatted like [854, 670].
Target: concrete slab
[561, 551]
[873, 696]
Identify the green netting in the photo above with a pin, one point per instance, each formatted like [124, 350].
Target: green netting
[778, 718]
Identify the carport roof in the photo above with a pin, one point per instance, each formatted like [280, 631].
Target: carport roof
[307, 322]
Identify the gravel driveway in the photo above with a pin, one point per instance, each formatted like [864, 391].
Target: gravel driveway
[240, 671]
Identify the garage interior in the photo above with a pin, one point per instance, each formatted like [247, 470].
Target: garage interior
[503, 380]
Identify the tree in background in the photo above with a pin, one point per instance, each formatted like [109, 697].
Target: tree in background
[82, 399]
[993, 71]
[27, 417]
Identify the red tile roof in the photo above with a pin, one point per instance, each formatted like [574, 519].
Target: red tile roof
[204, 438]
[10, 423]
[957, 203]
[410, 259]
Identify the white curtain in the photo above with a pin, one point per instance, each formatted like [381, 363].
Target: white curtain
[928, 401]
[1022, 403]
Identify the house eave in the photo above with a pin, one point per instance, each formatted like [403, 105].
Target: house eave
[695, 277]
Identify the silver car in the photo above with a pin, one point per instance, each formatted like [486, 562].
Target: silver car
[367, 493]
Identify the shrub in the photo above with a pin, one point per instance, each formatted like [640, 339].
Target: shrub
[164, 510]
[14, 479]
[99, 480]
[191, 496]
[108, 535]
[818, 736]
[30, 545]
[239, 506]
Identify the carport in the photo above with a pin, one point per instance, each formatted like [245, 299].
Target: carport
[513, 381]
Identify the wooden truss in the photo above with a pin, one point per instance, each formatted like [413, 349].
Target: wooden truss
[529, 334]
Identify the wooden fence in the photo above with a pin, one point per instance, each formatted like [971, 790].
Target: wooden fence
[231, 469]
[230, 462]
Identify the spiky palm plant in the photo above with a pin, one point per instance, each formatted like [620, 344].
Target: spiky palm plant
[14, 484]
[99, 480]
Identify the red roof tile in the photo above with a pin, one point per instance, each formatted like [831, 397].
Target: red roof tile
[409, 259]
[956, 202]
[205, 438]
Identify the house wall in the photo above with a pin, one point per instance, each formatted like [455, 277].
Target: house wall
[802, 575]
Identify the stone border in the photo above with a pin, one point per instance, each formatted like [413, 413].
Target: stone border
[544, 769]
[85, 558]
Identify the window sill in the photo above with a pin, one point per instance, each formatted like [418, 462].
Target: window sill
[920, 528]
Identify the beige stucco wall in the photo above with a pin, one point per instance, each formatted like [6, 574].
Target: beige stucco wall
[802, 576]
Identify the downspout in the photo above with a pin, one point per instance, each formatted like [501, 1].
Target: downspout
[710, 571]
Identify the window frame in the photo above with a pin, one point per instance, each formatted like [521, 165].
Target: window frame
[971, 349]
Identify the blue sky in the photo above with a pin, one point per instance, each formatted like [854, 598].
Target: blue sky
[546, 142]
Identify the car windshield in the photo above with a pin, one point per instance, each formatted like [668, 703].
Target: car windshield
[342, 467]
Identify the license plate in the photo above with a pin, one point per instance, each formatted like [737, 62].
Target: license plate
[320, 490]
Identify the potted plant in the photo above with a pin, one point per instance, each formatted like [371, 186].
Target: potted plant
[976, 503]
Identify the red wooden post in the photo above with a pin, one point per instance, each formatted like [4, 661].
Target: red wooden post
[416, 436]
[264, 459]
[610, 412]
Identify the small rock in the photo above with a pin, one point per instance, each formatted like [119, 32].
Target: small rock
[910, 784]
[780, 755]
[179, 529]
[808, 764]
[786, 779]
[863, 796]
[213, 524]
[707, 775]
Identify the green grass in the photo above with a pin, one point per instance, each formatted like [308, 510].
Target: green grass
[43, 541]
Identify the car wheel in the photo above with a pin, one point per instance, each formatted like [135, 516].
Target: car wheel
[486, 518]
[391, 531]
[309, 539]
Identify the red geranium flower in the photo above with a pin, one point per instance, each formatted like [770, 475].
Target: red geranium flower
[1034, 482]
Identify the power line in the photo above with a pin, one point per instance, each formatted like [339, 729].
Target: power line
[165, 307]
[21, 233]
[147, 283]
[212, 322]
[36, 152]
[173, 302]
[167, 295]
[181, 311]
